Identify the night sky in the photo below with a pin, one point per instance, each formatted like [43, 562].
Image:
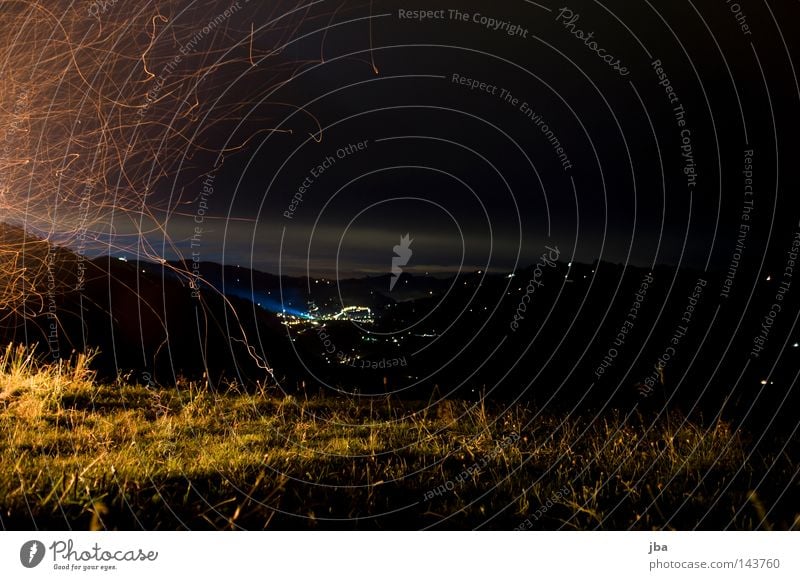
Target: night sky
[636, 160]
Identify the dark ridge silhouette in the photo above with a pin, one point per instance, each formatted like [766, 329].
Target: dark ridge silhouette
[141, 316]
[149, 324]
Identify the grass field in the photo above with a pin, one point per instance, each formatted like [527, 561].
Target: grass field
[82, 455]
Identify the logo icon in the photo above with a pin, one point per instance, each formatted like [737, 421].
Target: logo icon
[32, 553]
[403, 255]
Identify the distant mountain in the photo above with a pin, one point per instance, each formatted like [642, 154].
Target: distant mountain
[32, 271]
[141, 315]
[567, 334]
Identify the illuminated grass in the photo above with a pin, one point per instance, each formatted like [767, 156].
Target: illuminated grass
[75, 453]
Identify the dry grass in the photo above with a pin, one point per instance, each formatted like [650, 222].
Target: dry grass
[83, 455]
[36, 387]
